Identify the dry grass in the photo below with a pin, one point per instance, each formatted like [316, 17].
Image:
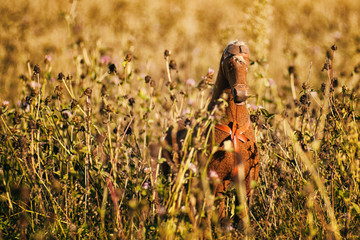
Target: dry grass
[74, 150]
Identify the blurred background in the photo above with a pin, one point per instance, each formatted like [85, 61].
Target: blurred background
[280, 34]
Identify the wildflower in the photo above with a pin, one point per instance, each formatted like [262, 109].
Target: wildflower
[211, 72]
[47, 59]
[105, 60]
[191, 101]
[115, 80]
[161, 210]
[190, 82]
[253, 106]
[34, 85]
[5, 103]
[147, 170]
[192, 167]
[271, 81]
[185, 111]
[146, 185]
[213, 175]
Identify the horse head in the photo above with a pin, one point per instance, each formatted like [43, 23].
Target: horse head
[232, 73]
[234, 66]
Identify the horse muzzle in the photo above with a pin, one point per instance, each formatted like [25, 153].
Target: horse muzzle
[240, 94]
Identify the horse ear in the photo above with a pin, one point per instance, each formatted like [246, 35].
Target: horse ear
[244, 49]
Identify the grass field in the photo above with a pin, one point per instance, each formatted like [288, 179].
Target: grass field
[86, 88]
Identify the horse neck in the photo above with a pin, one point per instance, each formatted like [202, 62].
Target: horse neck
[238, 113]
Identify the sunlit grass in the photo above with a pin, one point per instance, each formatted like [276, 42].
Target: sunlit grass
[88, 93]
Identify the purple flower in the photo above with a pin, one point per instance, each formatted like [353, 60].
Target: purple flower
[105, 60]
[192, 167]
[47, 59]
[115, 80]
[191, 101]
[271, 81]
[213, 174]
[253, 107]
[34, 84]
[190, 82]
[147, 170]
[146, 185]
[5, 103]
[211, 71]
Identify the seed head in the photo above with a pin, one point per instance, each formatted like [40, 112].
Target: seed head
[335, 82]
[326, 66]
[66, 114]
[147, 78]
[48, 100]
[31, 125]
[112, 68]
[131, 101]
[173, 64]
[23, 77]
[36, 69]
[88, 92]
[167, 53]
[254, 118]
[152, 83]
[291, 70]
[128, 57]
[103, 91]
[357, 68]
[61, 76]
[74, 103]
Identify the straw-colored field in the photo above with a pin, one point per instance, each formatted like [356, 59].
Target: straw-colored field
[77, 115]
